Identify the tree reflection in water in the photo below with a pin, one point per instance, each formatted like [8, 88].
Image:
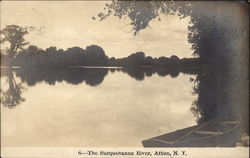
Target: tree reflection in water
[12, 96]
[220, 94]
[214, 88]
[90, 76]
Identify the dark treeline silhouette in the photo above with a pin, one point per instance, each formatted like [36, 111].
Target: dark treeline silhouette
[32, 56]
[139, 59]
[91, 56]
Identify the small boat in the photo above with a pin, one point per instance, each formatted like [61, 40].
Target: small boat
[218, 132]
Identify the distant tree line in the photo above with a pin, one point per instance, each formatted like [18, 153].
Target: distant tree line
[139, 59]
[32, 56]
[91, 56]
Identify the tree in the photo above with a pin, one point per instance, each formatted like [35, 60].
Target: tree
[175, 60]
[32, 49]
[96, 56]
[136, 59]
[149, 61]
[77, 55]
[142, 12]
[14, 34]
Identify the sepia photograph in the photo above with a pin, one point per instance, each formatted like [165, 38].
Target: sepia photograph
[124, 74]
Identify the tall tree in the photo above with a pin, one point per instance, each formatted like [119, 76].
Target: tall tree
[14, 34]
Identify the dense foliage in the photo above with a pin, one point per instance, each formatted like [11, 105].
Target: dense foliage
[92, 56]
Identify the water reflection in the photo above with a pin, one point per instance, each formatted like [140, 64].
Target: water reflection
[75, 76]
[80, 110]
[32, 76]
[221, 93]
[11, 96]
[141, 73]
[215, 89]
[91, 76]
[212, 87]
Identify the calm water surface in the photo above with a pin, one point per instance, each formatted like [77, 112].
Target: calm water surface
[105, 109]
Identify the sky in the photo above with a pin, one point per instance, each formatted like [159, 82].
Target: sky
[67, 24]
